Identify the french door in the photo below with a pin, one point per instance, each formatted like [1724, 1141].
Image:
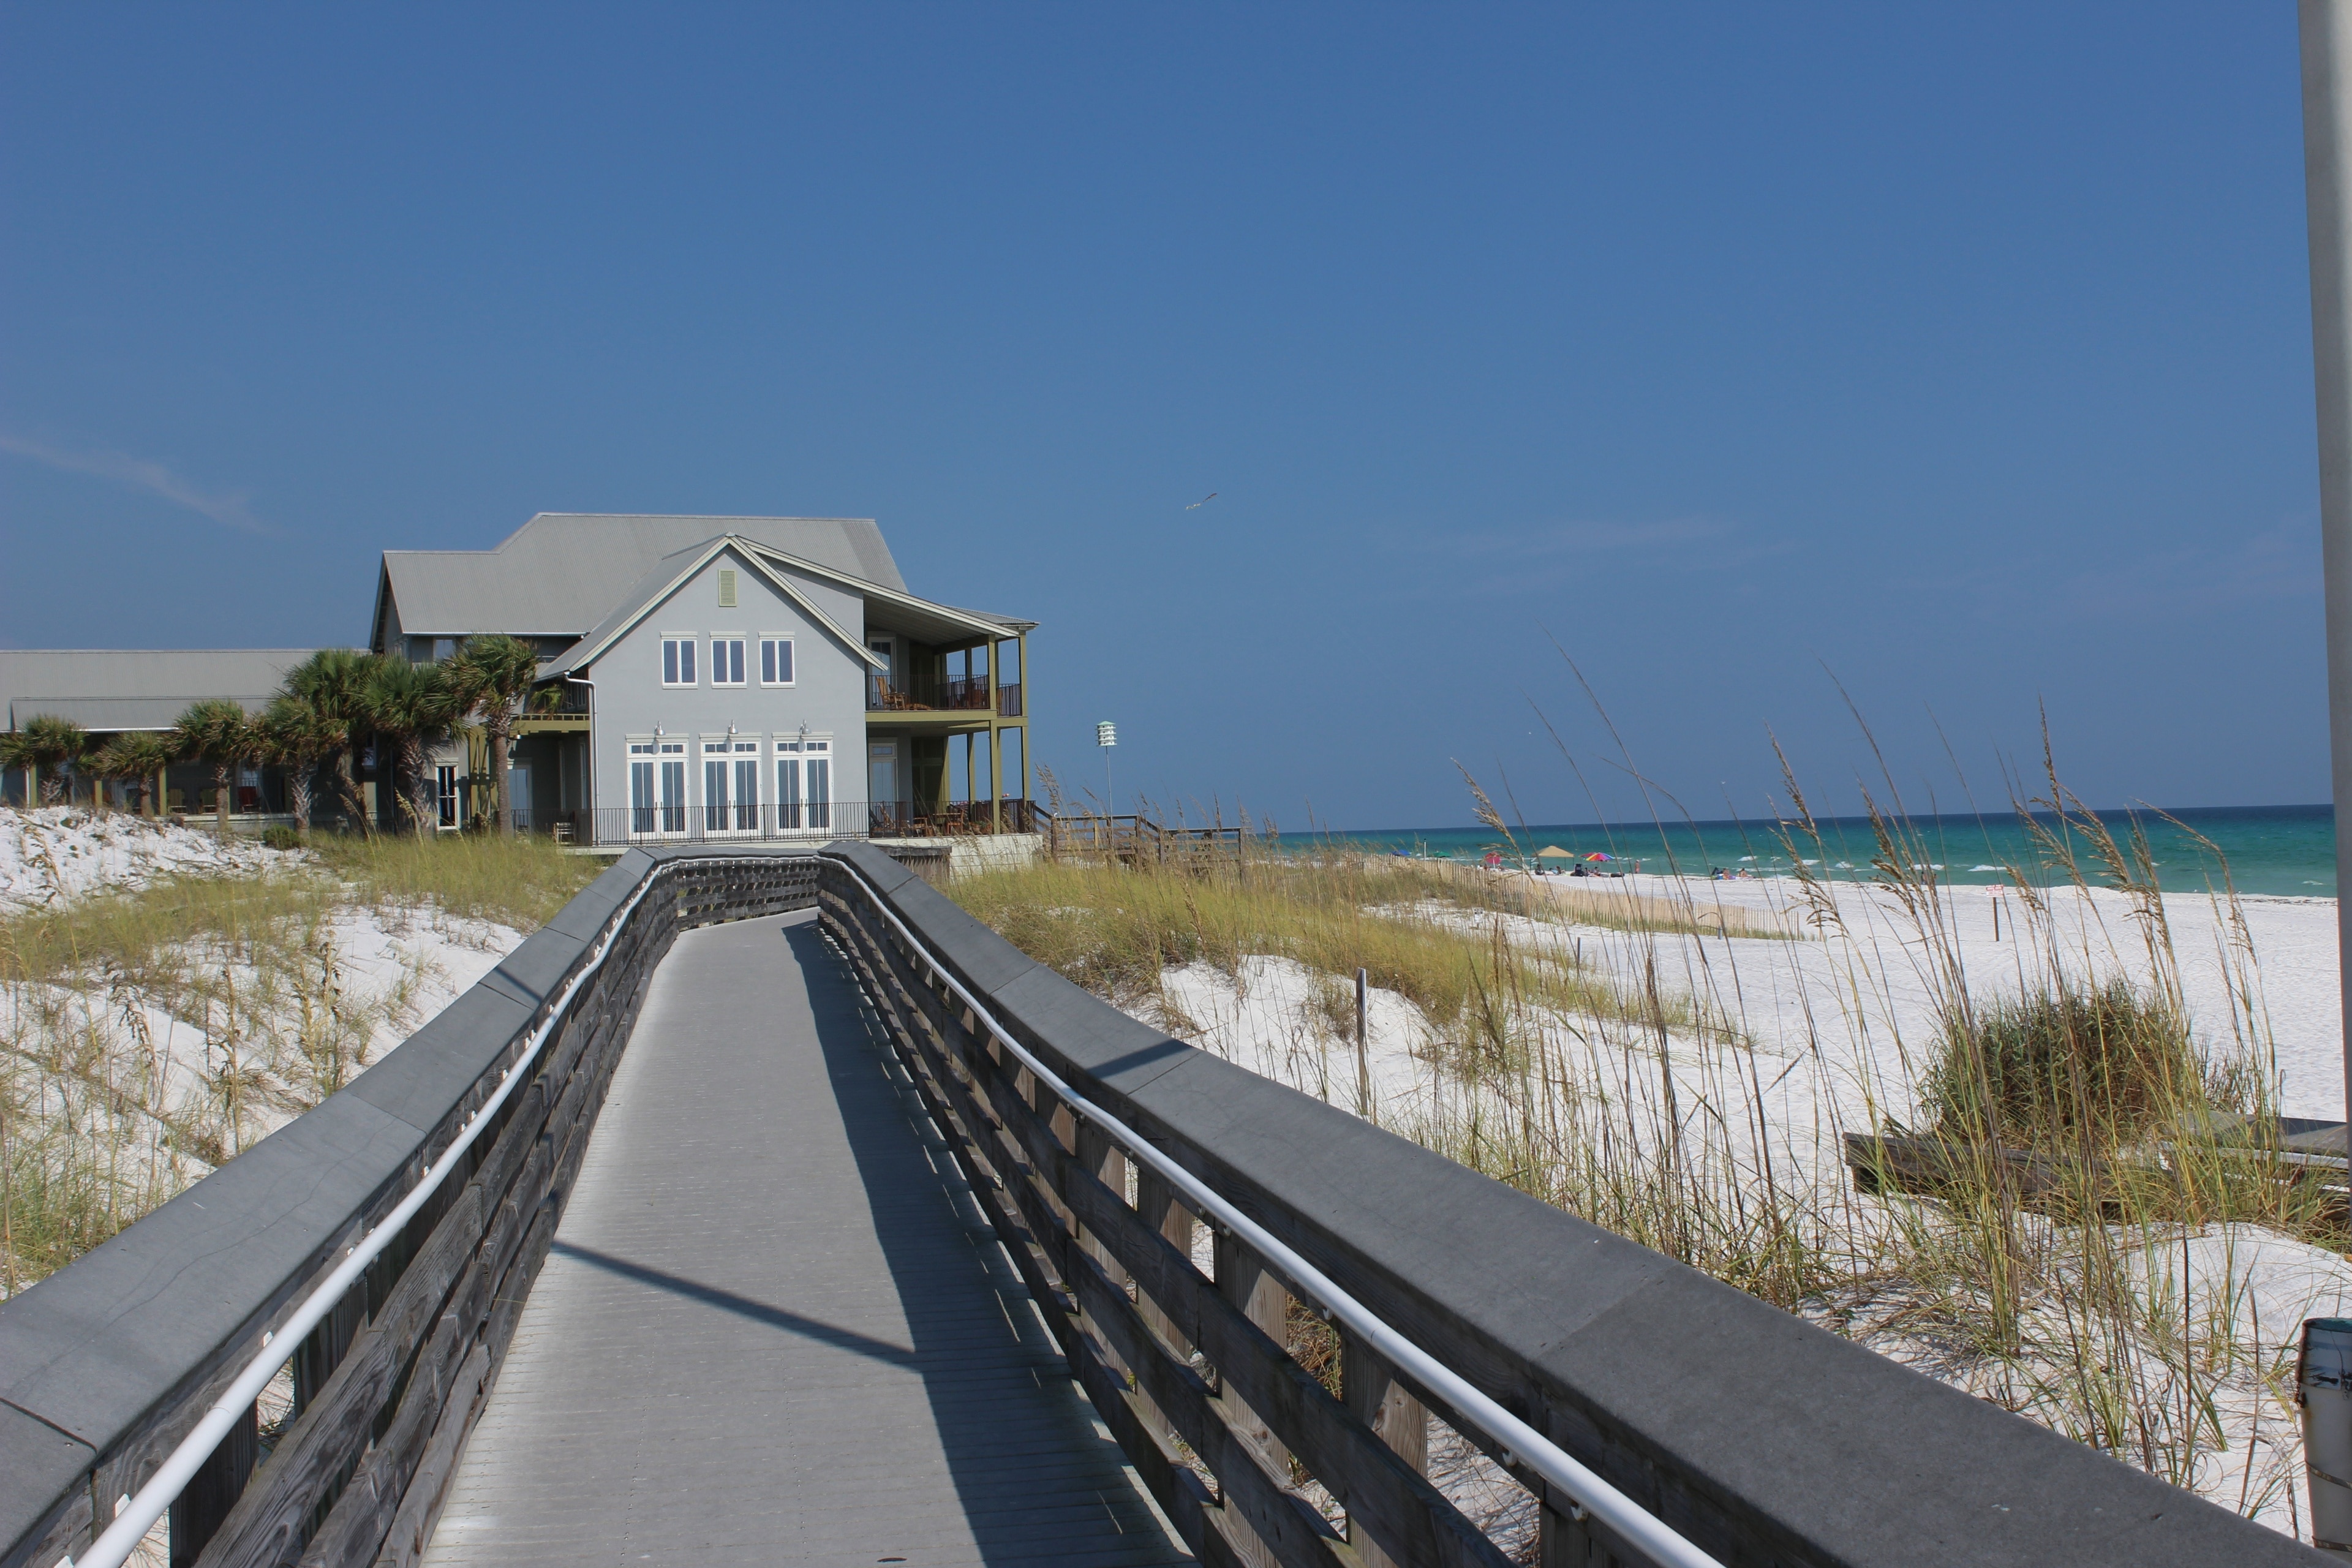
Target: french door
[804, 783]
[731, 786]
[656, 787]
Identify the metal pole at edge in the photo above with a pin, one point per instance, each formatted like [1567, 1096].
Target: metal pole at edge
[2325, 29]
[2327, 38]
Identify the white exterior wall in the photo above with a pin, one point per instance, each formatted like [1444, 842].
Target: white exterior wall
[827, 696]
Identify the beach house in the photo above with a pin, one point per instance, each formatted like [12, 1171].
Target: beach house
[700, 676]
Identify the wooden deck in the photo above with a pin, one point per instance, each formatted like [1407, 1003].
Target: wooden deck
[773, 1326]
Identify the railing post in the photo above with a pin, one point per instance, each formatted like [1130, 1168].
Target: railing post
[196, 1513]
[1242, 1279]
[1106, 1161]
[1155, 1200]
[1563, 1542]
[1368, 1388]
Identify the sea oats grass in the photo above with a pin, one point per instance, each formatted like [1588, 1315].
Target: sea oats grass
[101, 1118]
[2109, 1172]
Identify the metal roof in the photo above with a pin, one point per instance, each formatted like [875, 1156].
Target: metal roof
[137, 689]
[558, 574]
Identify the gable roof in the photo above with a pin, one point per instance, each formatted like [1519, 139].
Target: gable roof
[553, 576]
[106, 689]
[673, 574]
[926, 619]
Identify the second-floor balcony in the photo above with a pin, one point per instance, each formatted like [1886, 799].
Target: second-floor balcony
[565, 697]
[958, 694]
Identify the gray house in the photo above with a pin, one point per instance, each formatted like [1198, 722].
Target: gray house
[725, 677]
[700, 677]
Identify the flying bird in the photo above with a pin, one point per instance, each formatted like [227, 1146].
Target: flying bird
[1203, 502]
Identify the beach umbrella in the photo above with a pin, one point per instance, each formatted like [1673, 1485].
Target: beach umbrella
[1596, 854]
[1554, 852]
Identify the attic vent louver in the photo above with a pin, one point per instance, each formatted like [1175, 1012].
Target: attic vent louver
[726, 589]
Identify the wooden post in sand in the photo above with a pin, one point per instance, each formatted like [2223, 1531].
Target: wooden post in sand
[1363, 1057]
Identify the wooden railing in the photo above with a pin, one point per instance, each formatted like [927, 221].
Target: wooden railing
[960, 694]
[566, 698]
[1095, 836]
[1756, 1437]
[1177, 1363]
[957, 694]
[966, 818]
[108, 1363]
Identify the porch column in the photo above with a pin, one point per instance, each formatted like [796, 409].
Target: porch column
[995, 748]
[1028, 706]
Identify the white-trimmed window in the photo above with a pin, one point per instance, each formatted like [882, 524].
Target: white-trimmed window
[677, 660]
[726, 661]
[775, 661]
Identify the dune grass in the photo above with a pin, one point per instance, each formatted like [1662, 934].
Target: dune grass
[1429, 932]
[100, 1122]
[519, 882]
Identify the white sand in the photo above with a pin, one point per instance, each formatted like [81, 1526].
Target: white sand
[58, 853]
[2294, 946]
[381, 971]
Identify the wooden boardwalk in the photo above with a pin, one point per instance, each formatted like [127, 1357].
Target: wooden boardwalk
[772, 1327]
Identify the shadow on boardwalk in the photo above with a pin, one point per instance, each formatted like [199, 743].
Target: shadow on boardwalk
[1039, 1479]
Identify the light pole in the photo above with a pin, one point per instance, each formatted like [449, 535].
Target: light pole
[2327, 37]
[2326, 28]
[1106, 736]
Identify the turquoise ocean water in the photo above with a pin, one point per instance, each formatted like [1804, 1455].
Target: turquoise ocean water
[2271, 849]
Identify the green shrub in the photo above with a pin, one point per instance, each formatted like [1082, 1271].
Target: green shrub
[2065, 1065]
[278, 836]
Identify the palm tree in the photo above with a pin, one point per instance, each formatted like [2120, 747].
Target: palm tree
[300, 738]
[44, 747]
[411, 705]
[221, 732]
[334, 682]
[135, 757]
[492, 676]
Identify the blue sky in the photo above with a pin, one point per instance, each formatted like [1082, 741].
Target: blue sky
[1963, 356]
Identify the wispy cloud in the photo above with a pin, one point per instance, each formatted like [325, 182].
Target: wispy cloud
[230, 510]
[1544, 557]
[1600, 538]
[2228, 568]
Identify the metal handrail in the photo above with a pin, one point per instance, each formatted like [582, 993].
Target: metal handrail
[1520, 1442]
[138, 1516]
